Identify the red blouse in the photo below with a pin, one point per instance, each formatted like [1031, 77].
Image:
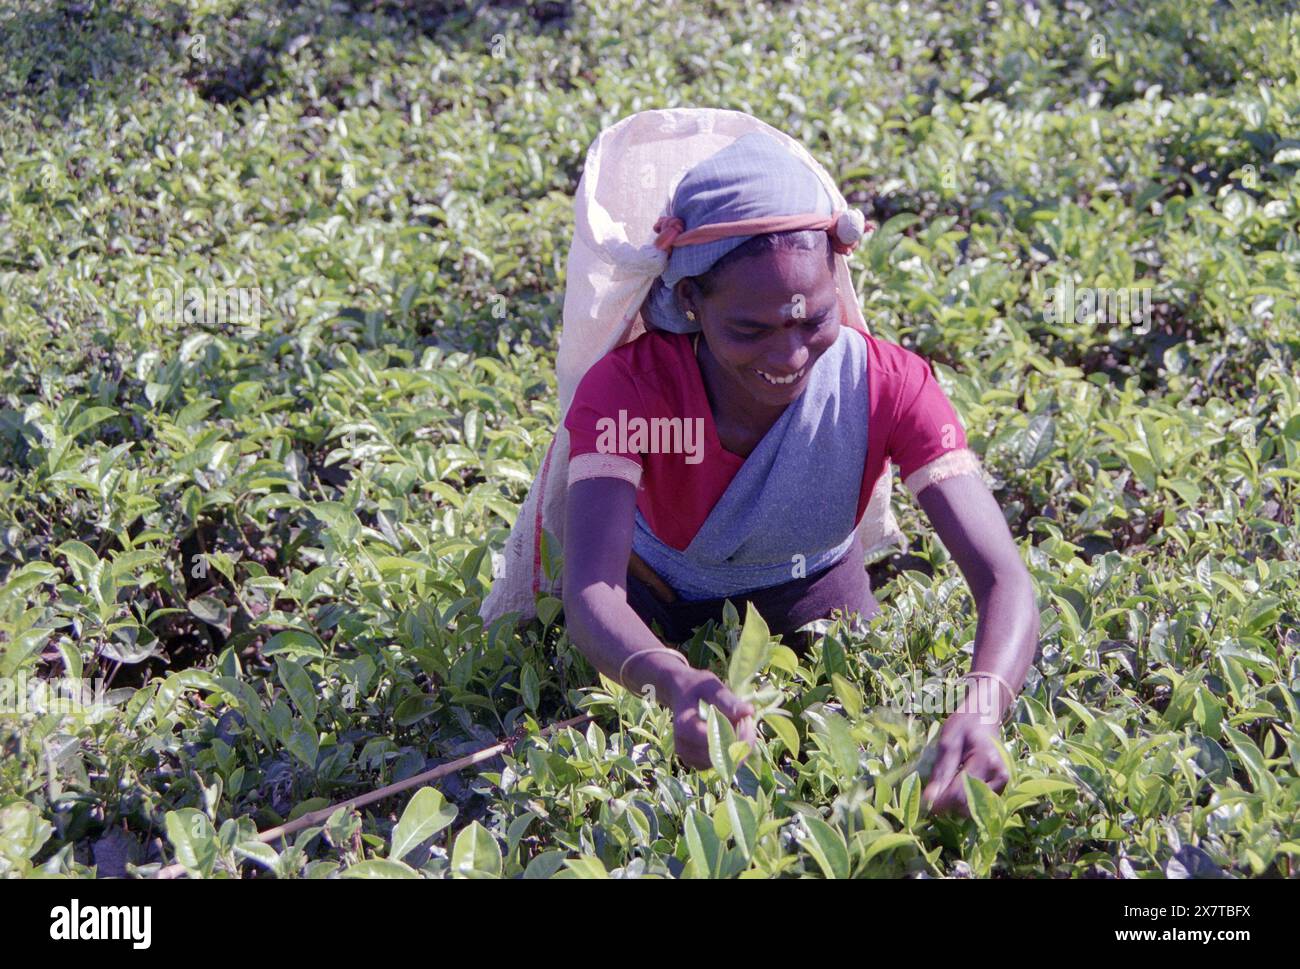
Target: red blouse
[910, 422]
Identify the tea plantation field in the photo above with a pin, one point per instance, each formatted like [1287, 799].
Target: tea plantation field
[280, 294]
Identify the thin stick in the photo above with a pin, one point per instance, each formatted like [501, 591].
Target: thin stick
[316, 817]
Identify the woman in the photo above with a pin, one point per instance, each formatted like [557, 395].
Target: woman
[730, 451]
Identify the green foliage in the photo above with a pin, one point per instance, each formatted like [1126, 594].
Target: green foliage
[280, 287]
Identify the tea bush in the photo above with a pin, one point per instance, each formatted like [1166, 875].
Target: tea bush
[280, 290]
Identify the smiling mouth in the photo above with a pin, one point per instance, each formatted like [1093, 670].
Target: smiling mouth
[781, 381]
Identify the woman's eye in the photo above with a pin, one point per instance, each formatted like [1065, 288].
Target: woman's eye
[752, 335]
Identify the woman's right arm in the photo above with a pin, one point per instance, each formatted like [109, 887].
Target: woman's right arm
[608, 631]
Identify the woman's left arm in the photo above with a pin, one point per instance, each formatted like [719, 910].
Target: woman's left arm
[968, 521]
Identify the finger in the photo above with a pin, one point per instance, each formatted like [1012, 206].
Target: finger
[944, 769]
[990, 769]
[690, 740]
[953, 798]
[696, 760]
[747, 730]
[999, 770]
[694, 730]
[732, 707]
[692, 753]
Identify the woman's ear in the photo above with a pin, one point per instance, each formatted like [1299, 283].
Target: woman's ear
[687, 294]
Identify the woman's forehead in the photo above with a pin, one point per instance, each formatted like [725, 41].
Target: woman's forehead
[778, 277]
[807, 263]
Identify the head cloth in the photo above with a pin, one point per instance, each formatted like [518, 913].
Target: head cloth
[752, 187]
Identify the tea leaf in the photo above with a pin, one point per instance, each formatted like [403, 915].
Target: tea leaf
[476, 853]
[751, 651]
[380, 868]
[827, 847]
[425, 816]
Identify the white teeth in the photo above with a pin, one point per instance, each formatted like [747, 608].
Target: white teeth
[780, 380]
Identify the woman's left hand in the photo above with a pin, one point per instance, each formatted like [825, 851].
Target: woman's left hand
[968, 744]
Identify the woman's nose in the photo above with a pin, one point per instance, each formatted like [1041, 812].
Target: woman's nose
[796, 351]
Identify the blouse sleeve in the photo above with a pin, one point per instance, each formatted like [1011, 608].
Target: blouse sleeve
[605, 401]
[927, 441]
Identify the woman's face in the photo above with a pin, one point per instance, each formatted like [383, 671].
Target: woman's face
[767, 320]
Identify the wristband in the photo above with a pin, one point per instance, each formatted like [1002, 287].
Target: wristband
[1001, 682]
[639, 652]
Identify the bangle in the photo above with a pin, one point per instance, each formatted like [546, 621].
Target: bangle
[974, 674]
[652, 649]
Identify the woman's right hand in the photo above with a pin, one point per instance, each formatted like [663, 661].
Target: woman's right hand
[690, 731]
